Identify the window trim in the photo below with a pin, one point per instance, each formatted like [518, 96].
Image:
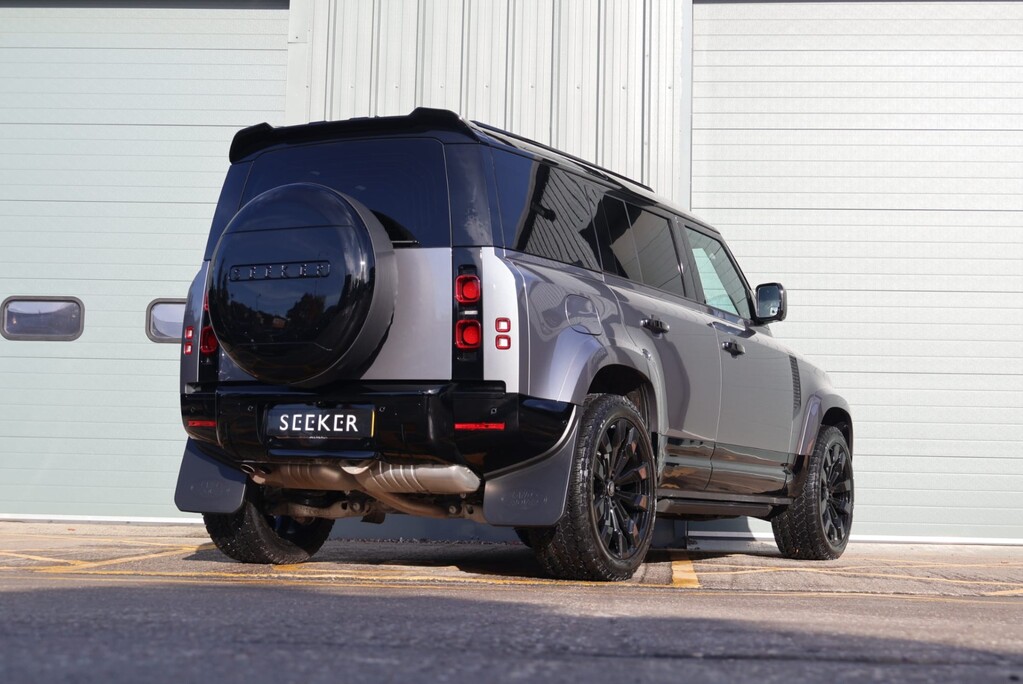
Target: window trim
[42, 338]
[149, 317]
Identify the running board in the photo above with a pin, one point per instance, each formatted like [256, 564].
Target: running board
[682, 508]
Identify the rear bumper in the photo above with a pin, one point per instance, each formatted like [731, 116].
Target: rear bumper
[476, 425]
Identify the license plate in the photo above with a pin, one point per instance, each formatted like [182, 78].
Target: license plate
[346, 422]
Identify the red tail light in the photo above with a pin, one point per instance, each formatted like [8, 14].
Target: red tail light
[468, 334]
[208, 341]
[467, 289]
[202, 423]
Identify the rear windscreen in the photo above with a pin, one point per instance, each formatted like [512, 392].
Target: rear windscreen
[401, 180]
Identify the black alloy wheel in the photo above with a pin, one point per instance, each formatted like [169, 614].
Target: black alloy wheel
[622, 489]
[816, 525]
[608, 524]
[836, 493]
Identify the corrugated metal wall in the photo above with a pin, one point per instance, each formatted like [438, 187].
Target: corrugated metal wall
[869, 155]
[114, 129]
[603, 79]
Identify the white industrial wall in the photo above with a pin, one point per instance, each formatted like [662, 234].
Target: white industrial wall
[603, 79]
[869, 155]
[114, 129]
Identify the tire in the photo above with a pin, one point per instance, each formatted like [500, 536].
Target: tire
[250, 536]
[816, 525]
[608, 524]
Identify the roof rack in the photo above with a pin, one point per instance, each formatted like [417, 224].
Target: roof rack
[578, 160]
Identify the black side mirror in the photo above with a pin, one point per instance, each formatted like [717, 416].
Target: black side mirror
[771, 304]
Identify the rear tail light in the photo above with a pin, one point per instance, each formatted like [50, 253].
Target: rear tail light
[478, 427]
[467, 289]
[468, 334]
[208, 341]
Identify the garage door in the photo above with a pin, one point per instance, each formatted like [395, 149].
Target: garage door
[114, 128]
[870, 156]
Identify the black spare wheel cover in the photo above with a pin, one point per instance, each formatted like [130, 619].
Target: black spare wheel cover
[303, 286]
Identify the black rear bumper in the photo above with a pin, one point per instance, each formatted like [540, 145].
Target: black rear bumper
[476, 425]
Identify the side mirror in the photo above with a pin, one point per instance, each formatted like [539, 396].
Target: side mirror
[771, 304]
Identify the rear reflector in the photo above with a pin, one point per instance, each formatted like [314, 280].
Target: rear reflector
[467, 289]
[202, 423]
[468, 334]
[479, 426]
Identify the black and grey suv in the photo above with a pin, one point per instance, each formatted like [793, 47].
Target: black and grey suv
[429, 316]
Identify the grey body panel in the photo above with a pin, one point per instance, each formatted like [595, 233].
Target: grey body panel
[418, 344]
[685, 368]
[758, 407]
[206, 485]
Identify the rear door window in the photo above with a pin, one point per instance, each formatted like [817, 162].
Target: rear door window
[403, 181]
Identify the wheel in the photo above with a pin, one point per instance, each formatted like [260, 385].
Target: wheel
[609, 516]
[251, 536]
[816, 525]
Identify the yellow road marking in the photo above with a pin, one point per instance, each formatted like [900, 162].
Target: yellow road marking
[1008, 592]
[683, 574]
[123, 559]
[847, 573]
[40, 558]
[198, 579]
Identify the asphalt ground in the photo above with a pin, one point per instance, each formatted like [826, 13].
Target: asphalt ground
[127, 603]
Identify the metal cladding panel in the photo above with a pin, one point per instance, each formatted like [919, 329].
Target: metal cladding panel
[114, 128]
[868, 155]
[603, 80]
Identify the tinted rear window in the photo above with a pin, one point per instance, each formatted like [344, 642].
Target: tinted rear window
[402, 180]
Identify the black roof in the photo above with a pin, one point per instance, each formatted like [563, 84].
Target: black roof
[440, 123]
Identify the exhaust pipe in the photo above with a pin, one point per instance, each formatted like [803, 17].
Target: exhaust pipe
[388, 483]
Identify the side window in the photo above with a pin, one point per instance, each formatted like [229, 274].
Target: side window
[641, 246]
[615, 224]
[655, 249]
[42, 318]
[723, 287]
[551, 211]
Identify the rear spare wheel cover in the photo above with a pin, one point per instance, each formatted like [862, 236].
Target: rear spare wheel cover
[302, 287]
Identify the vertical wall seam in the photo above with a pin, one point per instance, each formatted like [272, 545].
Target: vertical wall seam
[598, 151]
[463, 71]
[420, 65]
[509, 70]
[374, 58]
[645, 104]
[555, 51]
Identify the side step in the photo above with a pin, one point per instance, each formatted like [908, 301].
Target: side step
[682, 508]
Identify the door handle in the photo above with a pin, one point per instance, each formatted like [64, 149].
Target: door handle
[733, 347]
[655, 325]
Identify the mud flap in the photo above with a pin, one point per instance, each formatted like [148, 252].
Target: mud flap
[205, 485]
[533, 496]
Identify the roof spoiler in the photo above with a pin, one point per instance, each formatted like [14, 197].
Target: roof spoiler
[259, 137]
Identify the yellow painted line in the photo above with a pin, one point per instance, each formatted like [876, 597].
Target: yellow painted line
[86, 537]
[123, 559]
[683, 574]
[846, 573]
[1008, 592]
[199, 580]
[43, 559]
